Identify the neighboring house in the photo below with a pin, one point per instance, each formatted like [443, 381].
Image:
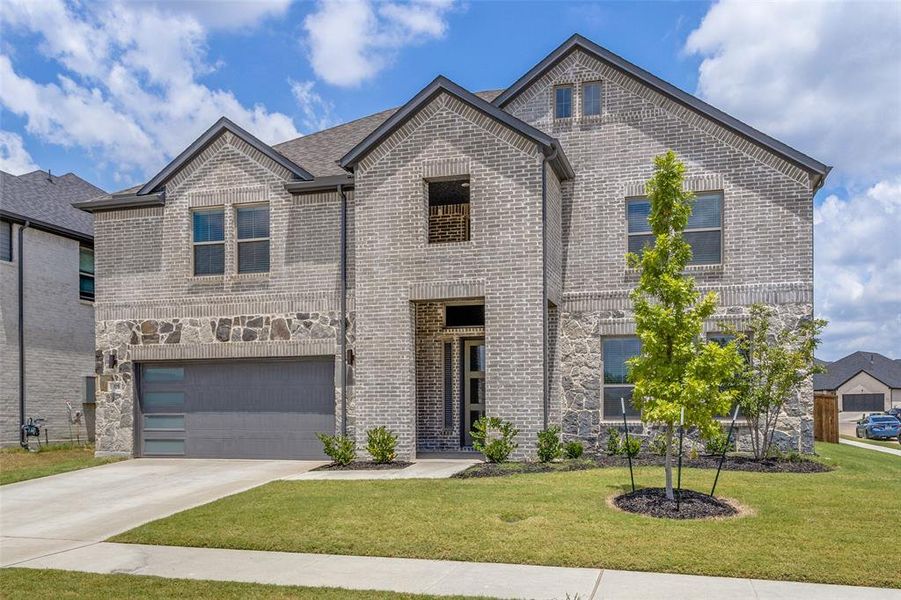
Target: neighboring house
[49, 245]
[863, 382]
[461, 255]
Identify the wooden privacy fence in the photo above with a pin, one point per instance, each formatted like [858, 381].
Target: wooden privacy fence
[825, 417]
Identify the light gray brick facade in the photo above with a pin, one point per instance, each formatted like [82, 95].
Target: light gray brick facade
[545, 256]
[59, 344]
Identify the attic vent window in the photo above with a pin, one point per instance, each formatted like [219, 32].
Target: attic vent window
[449, 211]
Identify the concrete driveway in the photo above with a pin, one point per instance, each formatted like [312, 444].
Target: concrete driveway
[52, 514]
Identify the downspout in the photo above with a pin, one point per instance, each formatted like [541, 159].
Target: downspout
[21, 293]
[342, 342]
[544, 312]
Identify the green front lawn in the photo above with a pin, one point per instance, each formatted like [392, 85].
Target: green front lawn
[17, 464]
[805, 527]
[885, 443]
[28, 584]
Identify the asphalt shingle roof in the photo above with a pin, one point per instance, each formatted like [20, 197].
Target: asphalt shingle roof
[319, 152]
[41, 197]
[884, 369]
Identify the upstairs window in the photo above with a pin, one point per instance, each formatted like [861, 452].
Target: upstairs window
[563, 102]
[86, 273]
[209, 241]
[253, 239]
[591, 99]
[449, 211]
[6, 241]
[704, 232]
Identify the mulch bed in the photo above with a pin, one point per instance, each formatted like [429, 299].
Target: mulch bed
[364, 465]
[653, 503]
[732, 463]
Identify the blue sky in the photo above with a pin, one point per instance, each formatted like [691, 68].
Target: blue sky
[111, 91]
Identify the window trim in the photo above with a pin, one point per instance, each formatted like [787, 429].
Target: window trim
[85, 274]
[572, 100]
[721, 228]
[194, 243]
[604, 417]
[582, 88]
[239, 240]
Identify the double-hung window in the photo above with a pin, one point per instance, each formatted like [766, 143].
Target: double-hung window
[209, 241]
[563, 102]
[591, 99]
[253, 238]
[86, 273]
[704, 231]
[616, 351]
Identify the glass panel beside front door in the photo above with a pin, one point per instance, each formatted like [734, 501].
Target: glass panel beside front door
[473, 386]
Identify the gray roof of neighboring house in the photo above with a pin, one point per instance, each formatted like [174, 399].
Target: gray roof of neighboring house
[884, 369]
[46, 200]
[319, 152]
[578, 42]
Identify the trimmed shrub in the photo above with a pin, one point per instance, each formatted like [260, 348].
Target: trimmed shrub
[494, 438]
[381, 444]
[549, 444]
[341, 449]
[613, 442]
[630, 447]
[657, 446]
[715, 443]
[573, 449]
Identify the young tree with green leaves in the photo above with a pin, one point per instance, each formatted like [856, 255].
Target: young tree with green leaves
[675, 369]
[779, 361]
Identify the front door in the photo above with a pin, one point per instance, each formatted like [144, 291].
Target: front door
[473, 386]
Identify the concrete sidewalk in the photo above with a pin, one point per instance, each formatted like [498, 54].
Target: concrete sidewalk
[866, 446]
[439, 577]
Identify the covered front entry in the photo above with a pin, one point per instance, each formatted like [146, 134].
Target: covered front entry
[451, 373]
[236, 408]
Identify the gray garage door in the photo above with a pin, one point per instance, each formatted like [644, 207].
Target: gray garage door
[236, 409]
[863, 402]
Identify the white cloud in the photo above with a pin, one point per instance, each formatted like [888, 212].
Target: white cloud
[129, 92]
[227, 14]
[823, 76]
[13, 156]
[858, 270]
[351, 41]
[317, 112]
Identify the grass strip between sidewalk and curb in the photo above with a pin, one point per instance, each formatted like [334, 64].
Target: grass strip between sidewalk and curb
[27, 584]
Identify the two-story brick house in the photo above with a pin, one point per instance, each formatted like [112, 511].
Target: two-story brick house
[461, 255]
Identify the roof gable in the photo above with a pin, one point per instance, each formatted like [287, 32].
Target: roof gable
[200, 144]
[577, 42]
[549, 145]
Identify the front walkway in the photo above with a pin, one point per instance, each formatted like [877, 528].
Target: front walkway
[875, 447]
[422, 468]
[437, 577]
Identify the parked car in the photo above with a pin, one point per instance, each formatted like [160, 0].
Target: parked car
[878, 427]
[895, 412]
